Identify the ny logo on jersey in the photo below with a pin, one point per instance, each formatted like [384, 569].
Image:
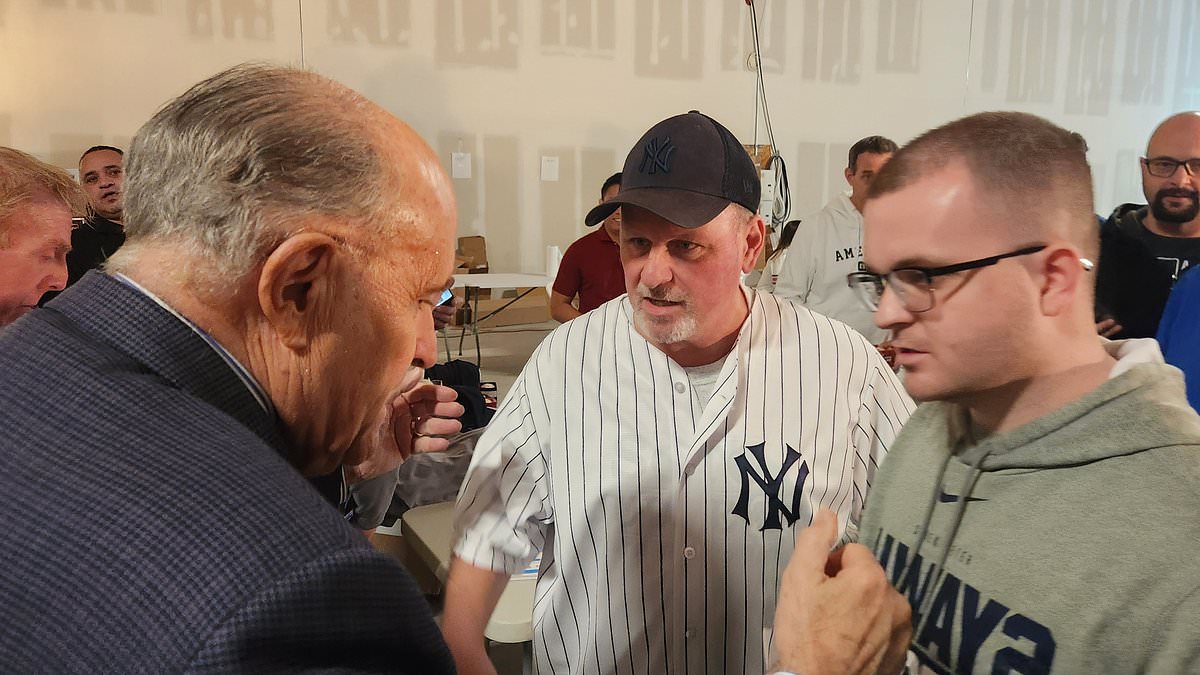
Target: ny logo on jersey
[771, 486]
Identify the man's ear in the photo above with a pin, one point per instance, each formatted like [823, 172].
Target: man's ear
[1063, 279]
[848, 174]
[297, 288]
[756, 238]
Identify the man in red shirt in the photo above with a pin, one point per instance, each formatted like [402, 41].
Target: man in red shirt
[591, 267]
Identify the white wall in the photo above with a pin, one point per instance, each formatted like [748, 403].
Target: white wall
[513, 80]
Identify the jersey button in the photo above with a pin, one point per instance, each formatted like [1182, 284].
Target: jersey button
[689, 633]
[689, 552]
[679, 387]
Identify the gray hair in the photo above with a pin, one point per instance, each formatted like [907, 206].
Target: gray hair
[223, 172]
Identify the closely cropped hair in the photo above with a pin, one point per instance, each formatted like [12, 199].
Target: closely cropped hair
[878, 145]
[97, 148]
[614, 179]
[23, 177]
[225, 170]
[1026, 166]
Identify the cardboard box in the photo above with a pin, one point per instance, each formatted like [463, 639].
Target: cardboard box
[533, 308]
[473, 250]
[471, 258]
[759, 154]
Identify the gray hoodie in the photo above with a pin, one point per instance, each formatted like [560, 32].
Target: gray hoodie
[1070, 544]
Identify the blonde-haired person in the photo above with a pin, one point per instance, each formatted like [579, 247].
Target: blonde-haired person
[36, 203]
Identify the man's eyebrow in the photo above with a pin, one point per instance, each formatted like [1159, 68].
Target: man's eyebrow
[917, 263]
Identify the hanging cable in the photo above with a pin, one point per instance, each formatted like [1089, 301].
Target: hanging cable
[782, 204]
[300, 11]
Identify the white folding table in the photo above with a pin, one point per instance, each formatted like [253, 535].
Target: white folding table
[429, 530]
[472, 283]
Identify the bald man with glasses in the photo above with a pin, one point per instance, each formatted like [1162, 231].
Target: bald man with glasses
[1038, 510]
[1146, 247]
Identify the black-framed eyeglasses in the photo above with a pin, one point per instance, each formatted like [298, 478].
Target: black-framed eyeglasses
[1165, 167]
[913, 286]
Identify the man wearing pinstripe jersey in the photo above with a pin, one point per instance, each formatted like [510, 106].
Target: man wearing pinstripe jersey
[663, 451]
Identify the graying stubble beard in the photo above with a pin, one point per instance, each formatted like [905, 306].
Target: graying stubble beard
[680, 330]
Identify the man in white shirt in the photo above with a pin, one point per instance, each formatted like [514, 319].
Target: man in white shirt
[664, 451]
[828, 246]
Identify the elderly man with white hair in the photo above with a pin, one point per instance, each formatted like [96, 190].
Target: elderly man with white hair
[266, 324]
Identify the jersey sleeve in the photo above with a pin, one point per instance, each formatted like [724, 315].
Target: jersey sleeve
[504, 507]
[884, 409]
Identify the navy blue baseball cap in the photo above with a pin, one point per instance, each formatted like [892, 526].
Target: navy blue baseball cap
[686, 169]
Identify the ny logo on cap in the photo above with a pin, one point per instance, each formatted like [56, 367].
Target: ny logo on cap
[657, 156]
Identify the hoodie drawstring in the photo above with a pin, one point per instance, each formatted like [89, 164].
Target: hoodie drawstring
[967, 487]
[932, 504]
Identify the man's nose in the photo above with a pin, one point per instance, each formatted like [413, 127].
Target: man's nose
[891, 311]
[56, 281]
[656, 270]
[1189, 178]
[425, 349]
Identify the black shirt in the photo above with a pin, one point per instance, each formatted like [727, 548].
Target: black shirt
[1174, 254]
[92, 242]
[1137, 270]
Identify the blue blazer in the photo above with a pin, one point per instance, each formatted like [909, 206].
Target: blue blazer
[151, 521]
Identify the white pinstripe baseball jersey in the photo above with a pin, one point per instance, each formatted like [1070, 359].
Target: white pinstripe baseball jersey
[664, 533]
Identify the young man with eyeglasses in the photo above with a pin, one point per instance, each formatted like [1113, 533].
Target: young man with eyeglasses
[1039, 509]
[1146, 247]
